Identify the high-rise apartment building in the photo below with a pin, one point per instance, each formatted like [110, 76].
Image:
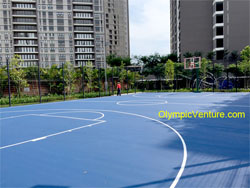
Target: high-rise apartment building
[56, 31]
[117, 27]
[209, 25]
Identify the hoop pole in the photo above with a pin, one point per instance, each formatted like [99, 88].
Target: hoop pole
[236, 77]
[197, 80]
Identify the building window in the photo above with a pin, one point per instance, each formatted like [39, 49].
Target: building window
[219, 6]
[219, 19]
[219, 31]
[219, 43]
[219, 55]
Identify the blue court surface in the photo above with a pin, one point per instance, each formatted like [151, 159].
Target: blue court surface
[122, 142]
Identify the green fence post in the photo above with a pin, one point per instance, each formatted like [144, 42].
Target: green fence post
[83, 81]
[63, 82]
[8, 72]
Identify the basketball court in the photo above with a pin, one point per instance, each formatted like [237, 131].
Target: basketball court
[122, 142]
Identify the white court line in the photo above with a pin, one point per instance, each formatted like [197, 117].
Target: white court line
[140, 103]
[193, 96]
[162, 96]
[145, 97]
[208, 95]
[102, 115]
[99, 101]
[177, 178]
[64, 117]
[47, 114]
[183, 164]
[12, 117]
[51, 135]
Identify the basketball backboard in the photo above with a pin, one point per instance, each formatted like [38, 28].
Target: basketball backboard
[192, 63]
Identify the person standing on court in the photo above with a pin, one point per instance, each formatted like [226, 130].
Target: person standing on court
[118, 89]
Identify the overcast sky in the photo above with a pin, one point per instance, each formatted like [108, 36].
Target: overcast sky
[149, 26]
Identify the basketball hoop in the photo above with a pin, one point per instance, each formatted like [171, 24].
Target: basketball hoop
[192, 63]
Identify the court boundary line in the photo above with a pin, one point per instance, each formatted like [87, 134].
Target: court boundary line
[167, 95]
[184, 160]
[219, 105]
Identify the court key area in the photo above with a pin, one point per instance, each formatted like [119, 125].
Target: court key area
[120, 141]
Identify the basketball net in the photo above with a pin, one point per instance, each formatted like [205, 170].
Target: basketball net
[191, 65]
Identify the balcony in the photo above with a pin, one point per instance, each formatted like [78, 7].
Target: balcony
[24, 13]
[84, 45]
[218, 49]
[218, 1]
[23, 7]
[23, 1]
[218, 37]
[218, 25]
[218, 13]
[25, 35]
[26, 52]
[23, 45]
[83, 15]
[85, 2]
[83, 22]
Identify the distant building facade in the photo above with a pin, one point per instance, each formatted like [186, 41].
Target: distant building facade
[56, 31]
[209, 25]
[117, 27]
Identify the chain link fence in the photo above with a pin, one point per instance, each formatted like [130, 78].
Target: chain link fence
[37, 85]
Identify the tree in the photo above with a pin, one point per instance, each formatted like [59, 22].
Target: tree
[154, 65]
[187, 55]
[113, 60]
[122, 73]
[69, 77]
[17, 74]
[210, 55]
[173, 57]
[232, 68]
[52, 75]
[198, 54]
[234, 56]
[169, 73]
[31, 73]
[204, 66]
[225, 55]
[3, 79]
[90, 74]
[245, 63]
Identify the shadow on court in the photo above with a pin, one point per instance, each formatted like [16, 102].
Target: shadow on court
[216, 147]
[188, 176]
[227, 138]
